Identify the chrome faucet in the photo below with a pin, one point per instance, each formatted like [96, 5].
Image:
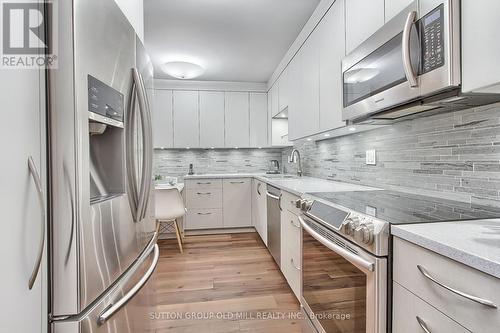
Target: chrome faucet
[295, 158]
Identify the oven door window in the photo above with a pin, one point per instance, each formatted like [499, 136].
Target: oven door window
[334, 289]
[380, 70]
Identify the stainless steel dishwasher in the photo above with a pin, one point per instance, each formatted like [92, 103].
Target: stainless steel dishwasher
[274, 222]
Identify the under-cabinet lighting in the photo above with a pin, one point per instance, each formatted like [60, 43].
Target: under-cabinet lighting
[309, 139]
[352, 128]
[188, 148]
[327, 135]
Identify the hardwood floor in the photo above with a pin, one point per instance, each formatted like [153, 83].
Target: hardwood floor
[222, 283]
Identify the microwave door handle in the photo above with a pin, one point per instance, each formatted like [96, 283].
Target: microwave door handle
[406, 45]
[130, 153]
[353, 258]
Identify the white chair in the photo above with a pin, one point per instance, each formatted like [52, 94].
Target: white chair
[169, 206]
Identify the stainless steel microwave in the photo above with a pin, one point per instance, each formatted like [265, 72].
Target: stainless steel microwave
[410, 65]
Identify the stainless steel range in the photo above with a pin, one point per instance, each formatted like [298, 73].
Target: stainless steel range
[346, 251]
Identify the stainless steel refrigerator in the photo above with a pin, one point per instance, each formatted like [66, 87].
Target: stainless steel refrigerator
[102, 233]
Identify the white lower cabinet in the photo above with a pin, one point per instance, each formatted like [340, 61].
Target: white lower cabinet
[203, 203]
[199, 218]
[259, 208]
[465, 311]
[413, 315]
[237, 202]
[291, 237]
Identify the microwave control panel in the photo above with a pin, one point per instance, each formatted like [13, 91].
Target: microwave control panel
[432, 30]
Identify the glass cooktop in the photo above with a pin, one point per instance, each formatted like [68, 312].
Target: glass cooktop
[403, 208]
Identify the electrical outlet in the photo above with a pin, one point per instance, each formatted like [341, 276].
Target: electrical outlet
[371, 157]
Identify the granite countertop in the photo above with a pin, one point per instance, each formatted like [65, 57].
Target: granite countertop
[472, 243]
[295, 185]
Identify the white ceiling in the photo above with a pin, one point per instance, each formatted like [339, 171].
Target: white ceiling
[234, 40]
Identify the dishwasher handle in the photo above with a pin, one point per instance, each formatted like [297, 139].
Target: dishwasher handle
[275, 197]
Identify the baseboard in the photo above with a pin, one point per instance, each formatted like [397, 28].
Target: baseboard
[219, 231]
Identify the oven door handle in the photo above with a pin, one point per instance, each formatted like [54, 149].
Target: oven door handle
[369, 266]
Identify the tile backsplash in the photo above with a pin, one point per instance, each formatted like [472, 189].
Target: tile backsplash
[453, 155]
[175, 162]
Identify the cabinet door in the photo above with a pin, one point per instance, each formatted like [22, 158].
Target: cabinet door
[275, 107]
[237, 202]
[269, 117]
[163, 126]
[309, 115]
[211, 119]
[295, 101]
[23, 135]
[480, 47]
[259, 209]
[237, 120]
[186, 119]
[394, 7]
[258, 120]
[363, 18]
[290, 250]
[283, 92]
[332, 50]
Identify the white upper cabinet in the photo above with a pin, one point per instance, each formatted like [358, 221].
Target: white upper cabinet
[363, 18]
[394, 7]
[295, 100]
[161, 112]
[237, 119]
[283, 91]
[480, 46]
[258, 120]
[275, 108]
[211, 119]
[309, 115]
[186, 119]
[331, 51]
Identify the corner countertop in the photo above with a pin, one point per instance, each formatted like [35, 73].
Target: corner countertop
[179, 186]
[472, 243]
[296, 185]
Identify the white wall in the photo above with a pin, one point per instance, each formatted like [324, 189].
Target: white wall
[134, 11]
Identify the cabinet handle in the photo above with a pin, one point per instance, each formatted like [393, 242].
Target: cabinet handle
[207, 183]
[481, 301]
[258, 188]
[296, 226]
[240, 182]
[204, 213]
[204, 193]
[293, 264]
[423, 325]
[38, 184]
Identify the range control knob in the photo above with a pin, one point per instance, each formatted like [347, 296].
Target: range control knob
[350, 225]
[306, 205]
[364, 234]
[298, 203]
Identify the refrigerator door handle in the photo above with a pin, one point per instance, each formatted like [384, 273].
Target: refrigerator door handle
[38, 184]
[114, 308]
[130, 153]
[146, 144]
[148, 147]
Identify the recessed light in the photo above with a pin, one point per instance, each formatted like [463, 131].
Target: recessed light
[352, 128]
[309, 139]
[182, 69]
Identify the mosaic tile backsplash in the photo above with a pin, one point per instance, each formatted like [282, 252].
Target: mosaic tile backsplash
[452, 155]
[175, 162]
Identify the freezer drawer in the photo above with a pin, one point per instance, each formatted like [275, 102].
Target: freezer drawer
[132, 297]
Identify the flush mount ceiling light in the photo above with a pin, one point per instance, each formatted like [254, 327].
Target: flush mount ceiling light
[182, 69]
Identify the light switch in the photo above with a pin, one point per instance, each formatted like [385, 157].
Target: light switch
[371, 157]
